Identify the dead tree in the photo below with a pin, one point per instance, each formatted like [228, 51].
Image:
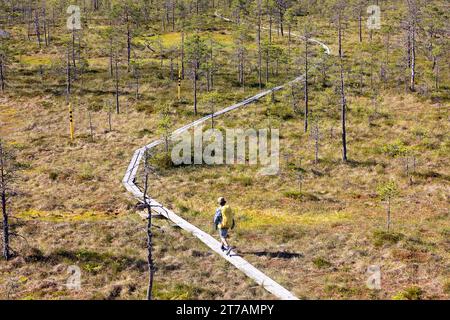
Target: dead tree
[68, 74]
[37, 27]
[182, 54]
[2, 72]
[91, 128]
[196, 51]
[340, 12]
[74, 65]
[259, 46]
[111, 51]
[269, 13]
[241, 55]
[116, 63]
[127, 21]
[148, 206]
[413, 17]
[7, 175]
[360, 6]
[45, 25]
[109, 111]
[281, 7]
[306, 37]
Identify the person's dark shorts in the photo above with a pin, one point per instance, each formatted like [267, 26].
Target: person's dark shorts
[223, 233]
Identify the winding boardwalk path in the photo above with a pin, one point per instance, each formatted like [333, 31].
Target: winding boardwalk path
[129, 183]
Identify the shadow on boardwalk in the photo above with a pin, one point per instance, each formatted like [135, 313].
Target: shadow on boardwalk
[277, 254]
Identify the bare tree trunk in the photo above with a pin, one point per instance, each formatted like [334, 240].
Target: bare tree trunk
[111, 71]
[408, 47]
[45, 27]
[289, 48]
[68, 80]
[281, 21]
[110, 116]
[173, 15]
[388, 222]
[316, 143]
[182, 54]
[436, 75]
[195, 88]
[2, 74]
[259, 46]
[340, 38]
[270, 28]
[343, 116]
[413, 12]
[306, 84]
[211, 69]
[360, 25]
[413, 58]
[6, 249]
[150, 262]
[73, 56]
[267, 65]
[91, 129]
[343, 99]
[128, 40]
[29, 23]
[36, 26]
[117, 83]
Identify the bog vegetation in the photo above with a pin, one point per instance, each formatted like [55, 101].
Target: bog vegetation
[364, 176]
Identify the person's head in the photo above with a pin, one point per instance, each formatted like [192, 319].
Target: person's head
[221, 201]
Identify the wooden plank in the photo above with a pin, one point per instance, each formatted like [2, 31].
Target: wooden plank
[241, 264]
[248, 269]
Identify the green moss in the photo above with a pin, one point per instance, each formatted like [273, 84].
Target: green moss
[281, 111]
[58, 216]
[411, 293]
[321, 263]
[446, 287]
[243, 180]
[144, 133]
[396, 149]
[182, 208]
[52, 175]
[303, 196]
[162, 160]
[382, 237]
[342, 290]
[37, 60]
[144, 107]
[177, 292]
[86, 174]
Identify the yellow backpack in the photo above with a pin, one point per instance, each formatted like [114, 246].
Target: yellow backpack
[227, 217]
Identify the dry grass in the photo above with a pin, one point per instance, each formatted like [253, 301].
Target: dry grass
[317, 241]
[111, 255]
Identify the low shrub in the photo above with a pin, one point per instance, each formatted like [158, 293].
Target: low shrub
[300, 195]
[321, 263]
[382, 237]
[411, 293]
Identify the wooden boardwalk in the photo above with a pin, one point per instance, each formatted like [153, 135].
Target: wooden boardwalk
[241, 264]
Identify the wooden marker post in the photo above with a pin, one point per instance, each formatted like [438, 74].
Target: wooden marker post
[72, 129]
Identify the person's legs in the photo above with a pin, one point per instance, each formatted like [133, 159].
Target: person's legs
[223, 238]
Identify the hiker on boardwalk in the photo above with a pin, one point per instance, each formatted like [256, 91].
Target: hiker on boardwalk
[224, 221]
